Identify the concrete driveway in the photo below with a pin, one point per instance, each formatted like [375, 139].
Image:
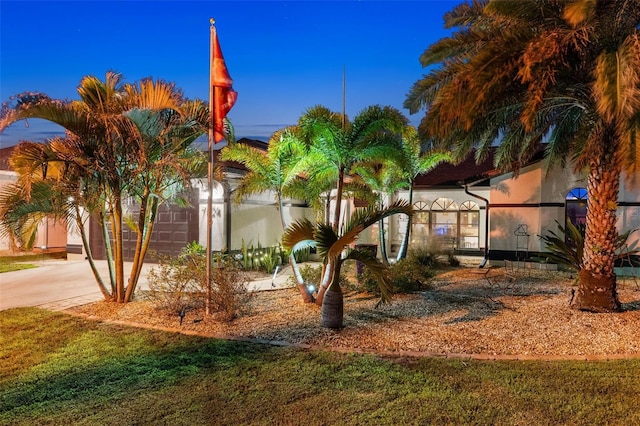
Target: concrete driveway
[56, 284]
[61, 284]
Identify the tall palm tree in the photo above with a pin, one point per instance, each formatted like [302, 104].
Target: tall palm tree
[123, 140]
[335, 248]
[383, 178]
[276, 170]
[335, 145]
[417, 158]
[566, 72]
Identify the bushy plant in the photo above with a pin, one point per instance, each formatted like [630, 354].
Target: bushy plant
[179, 284]
[566, 247]
[260, 258]
[409, 275]
[173, 286]
[302, 255]
[229, 292]
[425, 254]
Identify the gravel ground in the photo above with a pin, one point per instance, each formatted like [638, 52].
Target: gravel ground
[463, 314]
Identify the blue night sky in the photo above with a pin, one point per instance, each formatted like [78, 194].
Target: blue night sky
[284, 56]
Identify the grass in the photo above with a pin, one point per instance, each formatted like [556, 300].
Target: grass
[59, 369]
[27, 261]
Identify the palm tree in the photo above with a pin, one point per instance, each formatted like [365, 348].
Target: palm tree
[50, 187]
[417, 159]
[123, 140]
[383, 178]
[334, 249]
[335, 145]
[566, 72]
[275, 170]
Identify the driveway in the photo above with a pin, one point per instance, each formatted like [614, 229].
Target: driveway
[56, 284]
[61, 284]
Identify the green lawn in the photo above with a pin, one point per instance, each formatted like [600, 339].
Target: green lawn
[27, 261]
[59, 369]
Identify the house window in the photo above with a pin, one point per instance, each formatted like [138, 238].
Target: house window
[420, 223]
[469, 225]
[444, 221]
[576, 207]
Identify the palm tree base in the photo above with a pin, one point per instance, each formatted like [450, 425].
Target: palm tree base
[596, 294]
[332, 312]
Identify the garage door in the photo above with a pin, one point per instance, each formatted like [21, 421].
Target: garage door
[175, 227]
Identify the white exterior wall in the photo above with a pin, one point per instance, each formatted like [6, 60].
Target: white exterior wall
[6, 178]
[515, 207]
[255, 221]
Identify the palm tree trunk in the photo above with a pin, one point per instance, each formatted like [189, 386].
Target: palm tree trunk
[108, 252]
[87, 248]
[383, 242]
[146, 223]
[332, 312]
[337, 210]
[116, 226]
[307, 297]
[327, 208]
[597, 279]
[404, 245]
[382, 239]
[302, 288]
[327, 278]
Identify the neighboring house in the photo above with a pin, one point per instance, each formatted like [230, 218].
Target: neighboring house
[52, 235]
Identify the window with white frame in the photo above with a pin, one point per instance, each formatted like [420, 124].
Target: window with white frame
[469, 225]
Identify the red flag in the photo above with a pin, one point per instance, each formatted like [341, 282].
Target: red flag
[222, 97]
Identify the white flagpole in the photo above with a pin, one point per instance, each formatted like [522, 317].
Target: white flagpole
[210, 168]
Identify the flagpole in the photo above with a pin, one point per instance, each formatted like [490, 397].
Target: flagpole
[212, 105]
[344, 98]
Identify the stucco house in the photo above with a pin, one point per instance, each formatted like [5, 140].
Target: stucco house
[479, 210]
[471, 208]
[254, 222]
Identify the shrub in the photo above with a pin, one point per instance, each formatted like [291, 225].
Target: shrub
[260, 258]
[173, 286]
[229, 292]
[425, 255]
[411, 275]
[179, 284]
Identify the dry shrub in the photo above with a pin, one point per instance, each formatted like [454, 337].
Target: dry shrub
[229, 291]
[174, 286]
[179, 284]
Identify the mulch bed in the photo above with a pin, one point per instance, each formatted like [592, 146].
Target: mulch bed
[464, 313]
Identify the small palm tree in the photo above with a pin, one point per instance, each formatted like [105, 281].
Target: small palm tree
[383, 179]
[335, 148]
[335, 145]
[335, 248]
[417, 159]
[276, 170]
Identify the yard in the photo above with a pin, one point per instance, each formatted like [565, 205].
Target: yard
[59, 368]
